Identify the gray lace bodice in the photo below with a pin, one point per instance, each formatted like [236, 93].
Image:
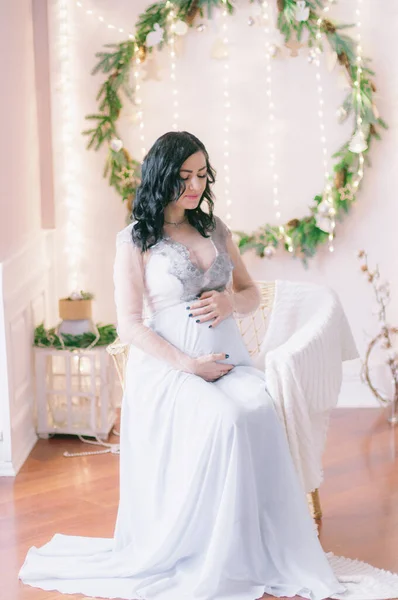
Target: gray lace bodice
[195, 280]
[172, 277]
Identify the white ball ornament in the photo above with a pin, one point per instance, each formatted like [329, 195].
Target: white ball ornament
[180, 28]
[116, 144]
[269, 251]
[323, 208]
[324, 224]
[358, 143]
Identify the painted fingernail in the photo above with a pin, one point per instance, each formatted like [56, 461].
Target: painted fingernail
[198, 320]
[227, 356]
[188, 307]
[190, 315]
[210, 326]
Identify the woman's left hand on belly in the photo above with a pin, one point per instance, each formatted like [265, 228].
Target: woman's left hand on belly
[212, 306]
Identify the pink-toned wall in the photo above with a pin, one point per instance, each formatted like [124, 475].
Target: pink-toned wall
[20, 210]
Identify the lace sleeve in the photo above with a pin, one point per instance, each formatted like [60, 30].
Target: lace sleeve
[244, 293]
[129, 287]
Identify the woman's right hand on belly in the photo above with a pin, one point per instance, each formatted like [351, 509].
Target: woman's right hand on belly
[210, 370]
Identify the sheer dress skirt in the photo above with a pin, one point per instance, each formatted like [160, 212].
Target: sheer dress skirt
[210, 504]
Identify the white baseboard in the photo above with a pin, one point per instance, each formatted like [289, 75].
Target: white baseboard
[8, 469]
[354, 392]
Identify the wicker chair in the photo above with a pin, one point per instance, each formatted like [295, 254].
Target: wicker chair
[253, 329]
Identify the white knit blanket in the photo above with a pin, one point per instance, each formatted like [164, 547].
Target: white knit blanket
[307, 340]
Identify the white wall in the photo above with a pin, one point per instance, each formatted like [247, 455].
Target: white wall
[25, 249]
[372, 222]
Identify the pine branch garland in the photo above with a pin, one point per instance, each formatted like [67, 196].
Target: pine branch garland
[123, 171]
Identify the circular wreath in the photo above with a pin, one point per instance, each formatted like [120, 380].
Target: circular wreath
[302, 236]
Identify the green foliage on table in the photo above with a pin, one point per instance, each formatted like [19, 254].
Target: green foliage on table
[47, 338]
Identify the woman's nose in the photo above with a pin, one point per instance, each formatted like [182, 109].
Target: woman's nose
[195, 184]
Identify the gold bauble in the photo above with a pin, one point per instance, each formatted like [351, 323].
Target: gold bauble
[193, 11]
[142, 53]
[339, 179]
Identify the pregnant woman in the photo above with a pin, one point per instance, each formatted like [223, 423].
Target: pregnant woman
[210, 505]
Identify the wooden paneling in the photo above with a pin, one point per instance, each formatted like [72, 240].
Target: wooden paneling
[27, 297]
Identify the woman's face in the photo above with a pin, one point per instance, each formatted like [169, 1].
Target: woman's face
[194, 174]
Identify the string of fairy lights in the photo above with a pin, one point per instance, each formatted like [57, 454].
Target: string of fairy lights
[172, 20]
[357, 85]
[93, 13]
[269, 53]
[328, 197]
[69, 190]
[73, 248]
[227, 115]
[138, 72]
[138, 77]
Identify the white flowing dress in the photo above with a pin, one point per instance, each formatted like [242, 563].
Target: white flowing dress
[211, 507]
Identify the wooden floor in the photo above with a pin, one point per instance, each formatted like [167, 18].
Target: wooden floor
[79, 496]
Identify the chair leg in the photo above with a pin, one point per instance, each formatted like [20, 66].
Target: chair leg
[316, 505]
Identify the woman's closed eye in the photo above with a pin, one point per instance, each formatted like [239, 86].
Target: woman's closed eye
[199, 177]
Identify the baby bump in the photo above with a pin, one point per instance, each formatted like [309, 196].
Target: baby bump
[197, 339]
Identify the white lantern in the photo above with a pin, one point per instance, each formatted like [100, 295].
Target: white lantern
[75, 392]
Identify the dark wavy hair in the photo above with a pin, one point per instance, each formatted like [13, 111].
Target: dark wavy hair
[161, 184]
